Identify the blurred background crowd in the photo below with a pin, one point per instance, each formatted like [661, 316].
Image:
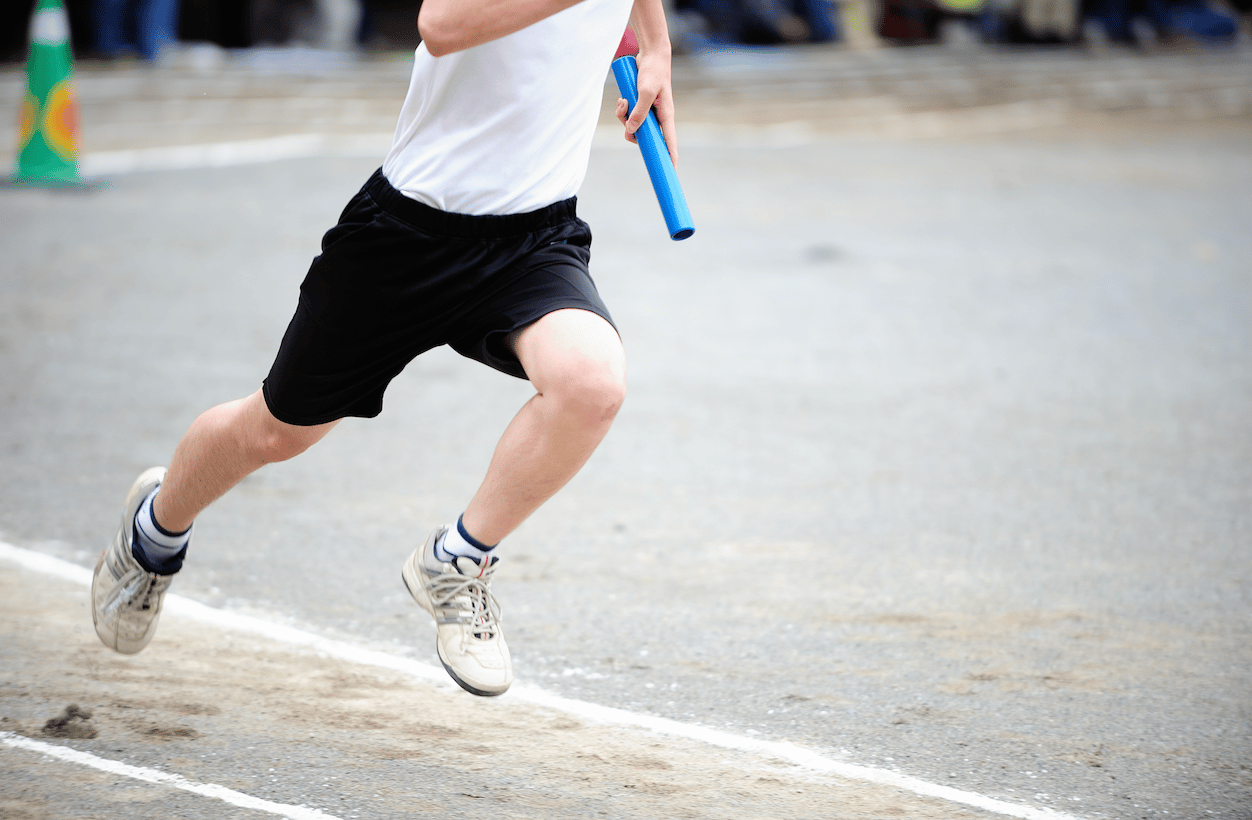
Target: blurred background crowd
[142, 29]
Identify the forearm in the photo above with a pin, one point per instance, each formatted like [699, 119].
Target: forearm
[647, 19]
[454, 25]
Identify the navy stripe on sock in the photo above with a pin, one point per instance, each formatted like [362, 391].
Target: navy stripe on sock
[162, 530]
[471, 540]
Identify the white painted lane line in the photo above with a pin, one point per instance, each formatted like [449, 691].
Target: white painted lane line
[974, 120]
[237, 152]
[799, 756]
[890, 124]
[115, 767]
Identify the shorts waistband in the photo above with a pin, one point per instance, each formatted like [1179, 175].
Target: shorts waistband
[467, 226]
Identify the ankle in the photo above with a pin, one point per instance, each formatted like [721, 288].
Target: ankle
[478, 530]
[165, 518]
[155, 547]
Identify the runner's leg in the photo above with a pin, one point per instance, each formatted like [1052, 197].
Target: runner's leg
[222, 447]
[575, 361]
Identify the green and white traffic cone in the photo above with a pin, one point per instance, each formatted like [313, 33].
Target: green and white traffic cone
[47, 145]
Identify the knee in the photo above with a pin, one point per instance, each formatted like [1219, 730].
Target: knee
[590, 393]
[275, 441]
[274, 445]
[258, 437]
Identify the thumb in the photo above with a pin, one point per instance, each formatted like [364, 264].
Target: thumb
[637, 116]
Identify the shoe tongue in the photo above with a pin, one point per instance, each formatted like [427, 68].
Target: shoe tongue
[470, 566]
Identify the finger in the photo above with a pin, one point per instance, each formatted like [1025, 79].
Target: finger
[621, 112]
[670, 133]
[664, 110]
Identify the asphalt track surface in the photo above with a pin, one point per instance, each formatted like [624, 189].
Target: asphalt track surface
[936, 460]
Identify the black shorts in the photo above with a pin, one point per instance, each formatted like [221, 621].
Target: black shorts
[396, 278]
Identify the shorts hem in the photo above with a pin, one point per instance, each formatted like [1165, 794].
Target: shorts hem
[304, 421]
[513, 367]
[564, 304]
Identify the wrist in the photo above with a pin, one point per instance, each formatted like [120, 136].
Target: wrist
[653, 54]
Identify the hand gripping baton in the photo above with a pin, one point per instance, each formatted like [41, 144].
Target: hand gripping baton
[655, 155]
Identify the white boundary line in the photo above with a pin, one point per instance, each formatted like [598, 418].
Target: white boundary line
[231, 796]
[785, 752]
[236, 152]
[976, 120]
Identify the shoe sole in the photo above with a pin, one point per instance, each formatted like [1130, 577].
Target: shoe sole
[468, 687]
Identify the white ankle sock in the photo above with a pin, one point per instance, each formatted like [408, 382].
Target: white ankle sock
[158, 544]
[456, 541]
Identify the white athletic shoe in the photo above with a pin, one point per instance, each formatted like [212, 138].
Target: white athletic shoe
[467, 617]
[126, 598]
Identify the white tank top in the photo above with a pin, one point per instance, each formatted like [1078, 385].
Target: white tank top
[506, 127]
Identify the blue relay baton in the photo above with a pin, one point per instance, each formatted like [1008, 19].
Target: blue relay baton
[655, 155]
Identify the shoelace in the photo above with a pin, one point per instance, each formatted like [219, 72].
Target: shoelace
[157, 584]
[135, 590]
[452, 590]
